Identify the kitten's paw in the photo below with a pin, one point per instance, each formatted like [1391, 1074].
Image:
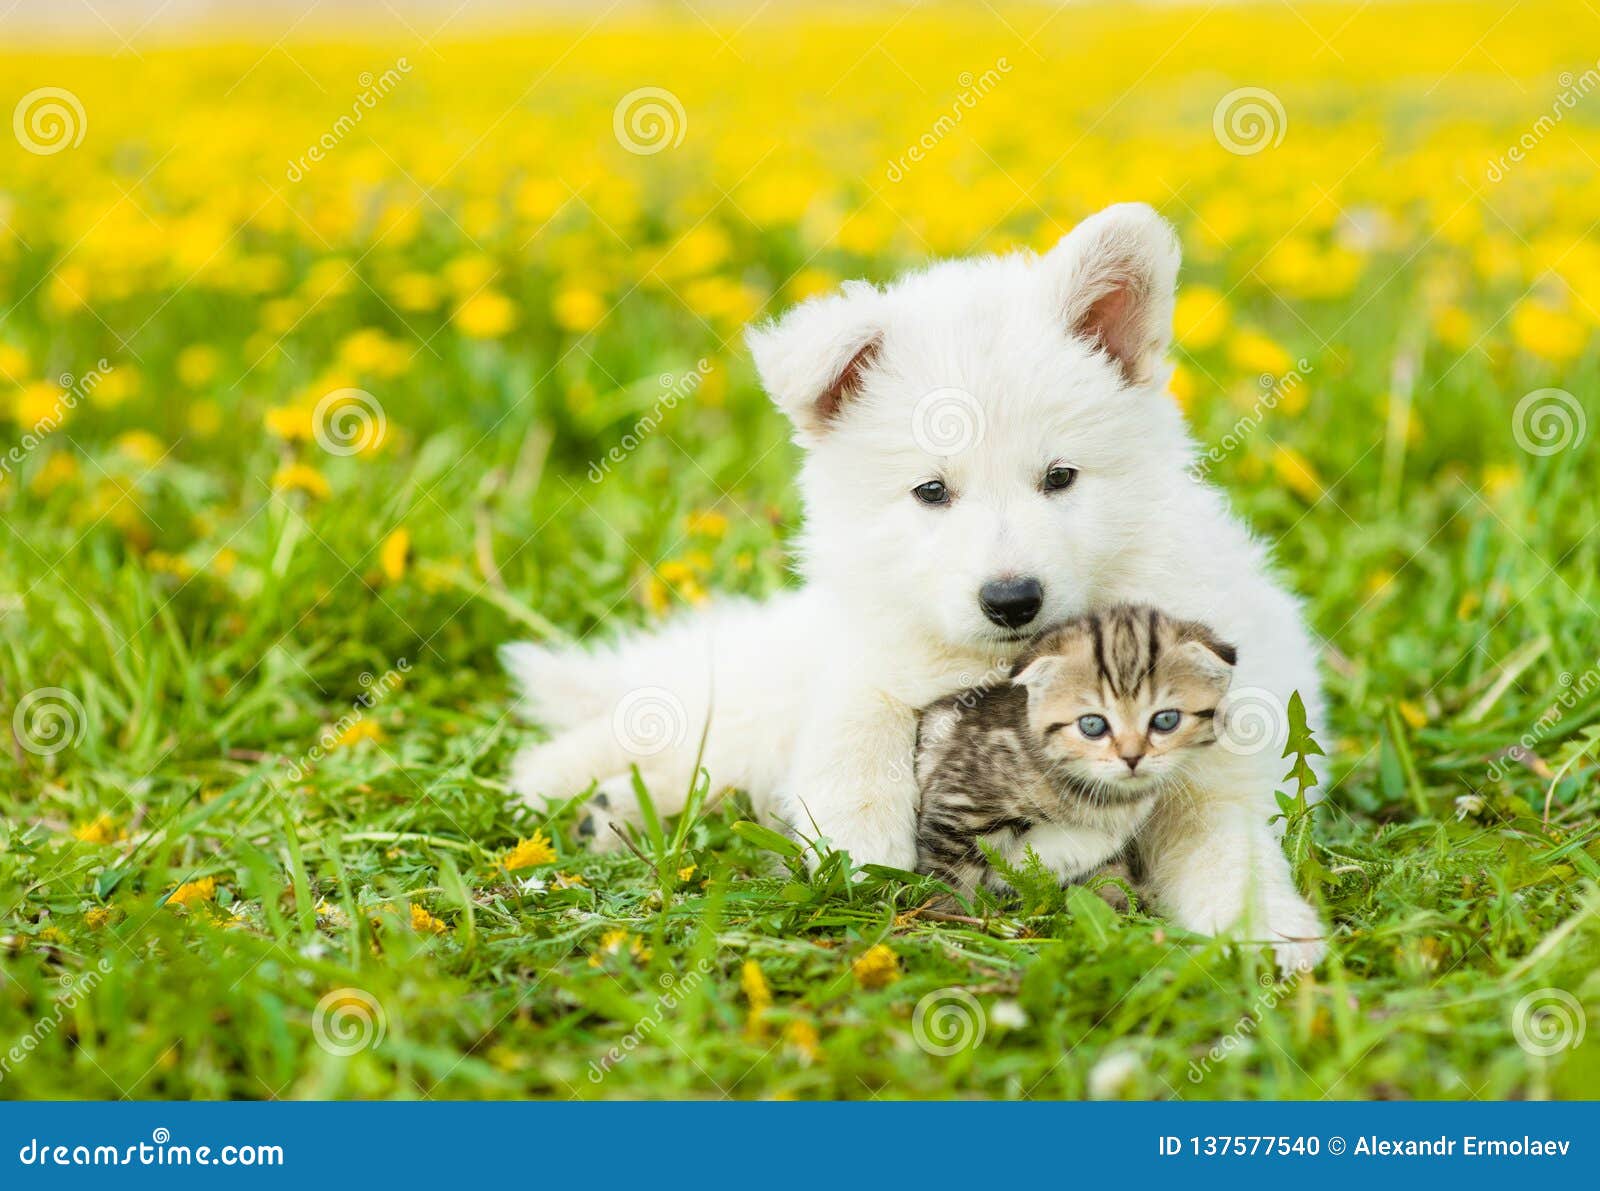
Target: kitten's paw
[1114, 881]
[1297, 933]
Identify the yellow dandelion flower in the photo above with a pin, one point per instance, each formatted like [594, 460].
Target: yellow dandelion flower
[1501, 478]
[1182, 386]
[296, 423]
[578, 310]
[1251, 351]
[1296, 471]
[1453, 327]
[707, 523]
[425, 923]
[687, 871]
[679, 578]
[59, 469]
[610, 943]
[756, 993]
[810, 282]
[102, 829]
[116, 386]
[373, 353]
[192, 893]
[39, 407]
[394, 554]
[1548, 333]
[141, 446]
[802, 1037]
[197, 365]
[488, 314]
[356, 732]
[160, 562]
[416, 293]
[205, 418]
[301, 477]
[876, 967]
[1199, 317]
[469, 274]
[13, 363]
[530, 853]
[96, 917]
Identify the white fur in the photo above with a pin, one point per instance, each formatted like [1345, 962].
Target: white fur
[812, 695]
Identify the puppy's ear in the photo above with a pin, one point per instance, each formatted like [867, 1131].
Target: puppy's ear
[814, 360]
[1113, 278]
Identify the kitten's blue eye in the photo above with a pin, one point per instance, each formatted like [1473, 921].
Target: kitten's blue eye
[1059, 478]
[1093, 726]
[1165, 721]
[932, 493]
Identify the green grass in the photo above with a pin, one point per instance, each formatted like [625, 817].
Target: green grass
[198, 695]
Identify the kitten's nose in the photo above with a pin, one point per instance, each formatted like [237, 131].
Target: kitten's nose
[1133, 762]
[1011, 603]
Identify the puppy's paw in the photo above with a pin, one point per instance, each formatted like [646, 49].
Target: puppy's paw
[531, 778]
[608, 814]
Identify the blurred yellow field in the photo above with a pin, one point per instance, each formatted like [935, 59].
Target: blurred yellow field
[338, 351]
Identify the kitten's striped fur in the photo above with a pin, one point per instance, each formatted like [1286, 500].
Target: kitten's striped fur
[1012, 765]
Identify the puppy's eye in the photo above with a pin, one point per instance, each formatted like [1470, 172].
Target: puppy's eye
[1059, 478]
[1165, 721]
[1093, 726]
[932, 493]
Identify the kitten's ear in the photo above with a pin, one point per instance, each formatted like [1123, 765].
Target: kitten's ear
[813, 361]
[1113, 278]
[1037, 674]
[1207, 659]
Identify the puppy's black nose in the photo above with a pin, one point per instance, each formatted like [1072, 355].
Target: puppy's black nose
[1011, 602]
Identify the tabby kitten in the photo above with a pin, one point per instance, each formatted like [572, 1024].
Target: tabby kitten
[1070, 756]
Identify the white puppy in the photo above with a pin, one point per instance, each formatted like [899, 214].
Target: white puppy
[989, 448]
